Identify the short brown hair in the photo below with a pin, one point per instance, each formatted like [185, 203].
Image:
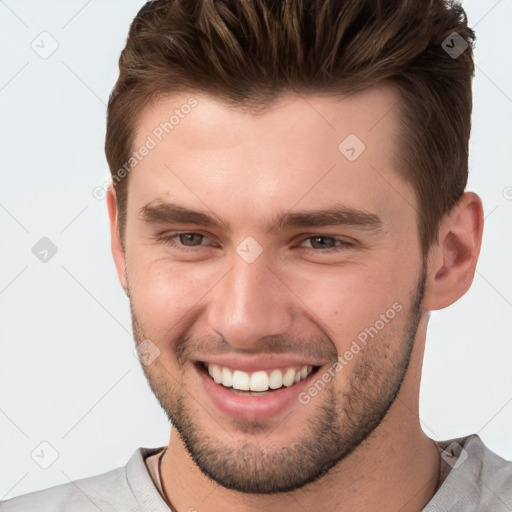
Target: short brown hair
[248, 52]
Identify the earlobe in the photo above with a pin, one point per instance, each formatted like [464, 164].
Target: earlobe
[115, 239]
[453, 259]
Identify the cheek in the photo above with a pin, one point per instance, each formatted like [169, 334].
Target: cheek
[164, 294]
[345, 301]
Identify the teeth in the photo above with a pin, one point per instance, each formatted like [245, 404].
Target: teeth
[240, 380]
[216, 373]
[227, 378]
[259, 381]
[289, 377]
[276, 379]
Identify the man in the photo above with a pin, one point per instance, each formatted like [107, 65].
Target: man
[288, 206]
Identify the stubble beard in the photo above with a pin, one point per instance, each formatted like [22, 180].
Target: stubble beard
[342, 419]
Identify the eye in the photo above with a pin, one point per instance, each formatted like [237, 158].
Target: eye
[186, 241]
[190, 239]
[326, 244]
[182, 241]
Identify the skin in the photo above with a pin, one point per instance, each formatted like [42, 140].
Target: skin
[246, 168]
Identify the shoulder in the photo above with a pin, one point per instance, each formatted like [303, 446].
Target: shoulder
[108, 492]
[494, 473]
[478, 478]
[86, 494]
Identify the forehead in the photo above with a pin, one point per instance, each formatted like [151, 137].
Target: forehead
[301, 149]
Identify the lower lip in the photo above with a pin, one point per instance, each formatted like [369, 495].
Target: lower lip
[251, 408]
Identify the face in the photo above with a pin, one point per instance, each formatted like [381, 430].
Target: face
[275, 278]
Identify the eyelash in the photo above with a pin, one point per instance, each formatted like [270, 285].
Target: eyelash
[169, 240]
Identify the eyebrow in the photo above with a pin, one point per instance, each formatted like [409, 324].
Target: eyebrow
[337, 215]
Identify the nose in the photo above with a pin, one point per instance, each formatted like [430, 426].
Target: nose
[249, 303]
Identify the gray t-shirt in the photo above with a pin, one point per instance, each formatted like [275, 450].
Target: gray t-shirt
[473, 479]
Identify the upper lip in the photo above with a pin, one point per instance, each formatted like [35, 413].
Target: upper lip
[256, 363]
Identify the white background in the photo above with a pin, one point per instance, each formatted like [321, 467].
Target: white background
[67, 372]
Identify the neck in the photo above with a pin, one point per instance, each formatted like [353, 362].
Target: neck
[391, 470]
[395, 468]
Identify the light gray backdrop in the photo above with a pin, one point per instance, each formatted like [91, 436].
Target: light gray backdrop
[68, 376]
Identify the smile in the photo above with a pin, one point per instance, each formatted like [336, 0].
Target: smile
[258, 381]
[255, 388]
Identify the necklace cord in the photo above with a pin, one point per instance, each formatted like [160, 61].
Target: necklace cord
[166, 498]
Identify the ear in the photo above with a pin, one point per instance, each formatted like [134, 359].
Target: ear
[115, 239]
[452, 261]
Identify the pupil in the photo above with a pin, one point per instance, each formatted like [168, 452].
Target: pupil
[322, 238]
[189, 237]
